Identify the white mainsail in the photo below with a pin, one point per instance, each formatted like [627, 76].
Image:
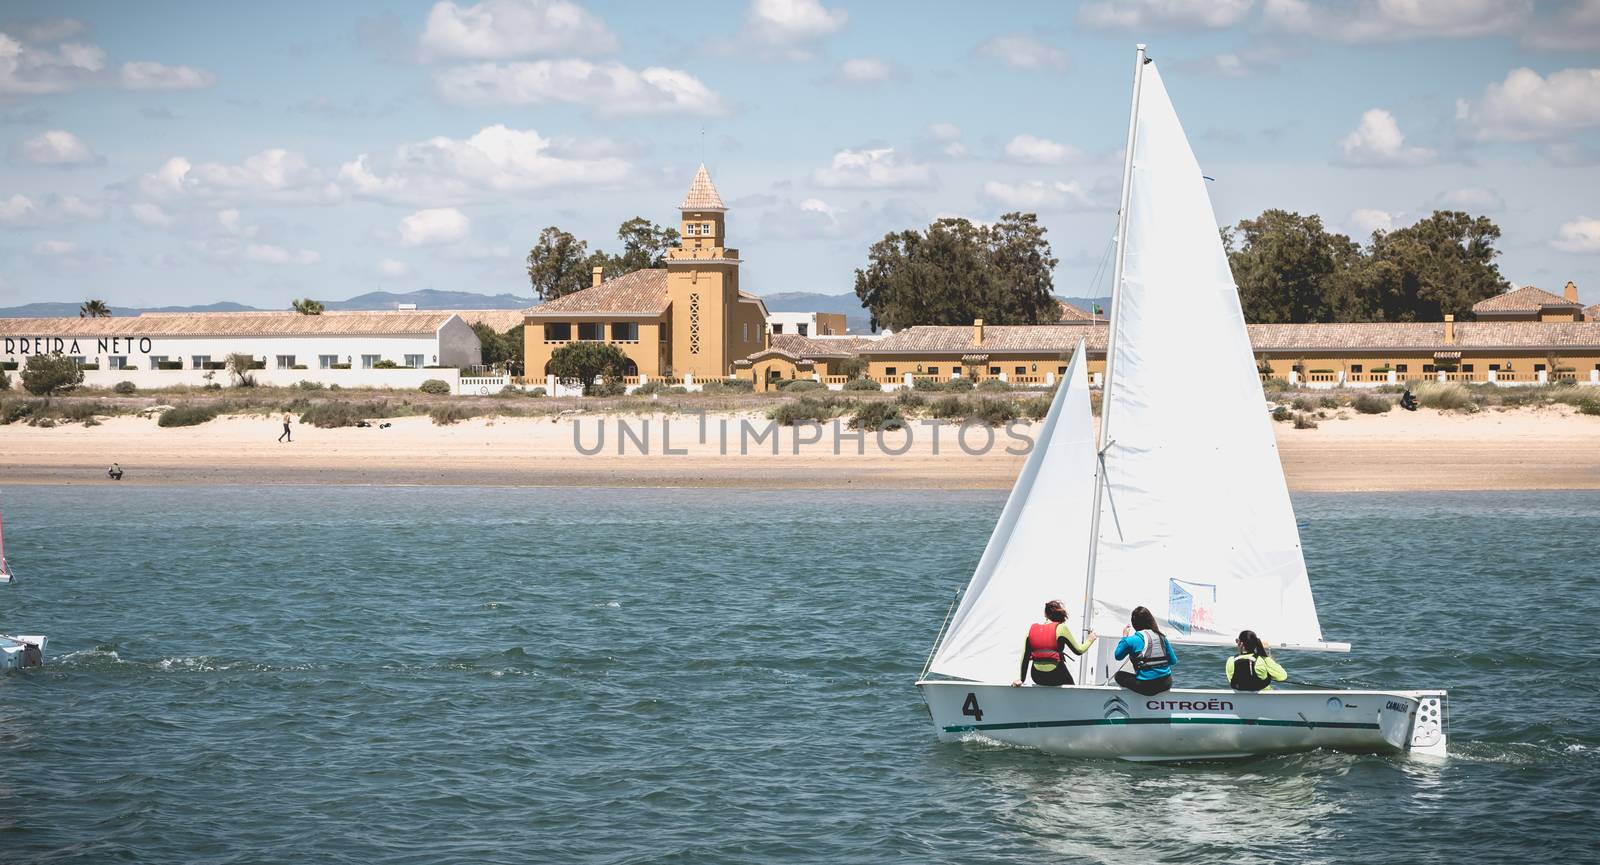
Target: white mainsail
[5, 572]
[1039, 547]
[1196, 522]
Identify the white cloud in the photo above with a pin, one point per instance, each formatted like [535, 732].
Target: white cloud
[1378, 141]
[790, 27]
[1576, 27]
[73, 208]
[1237, 64]
[263, 253]
[1039, 195]
[1474, 199]
[20, 211]
[231, 223]
[1363, 222]
[1149, 14]
[149, 75]
[864, 70]
[434, 226]
[494, 163]
[150, 215]
[56, 147]
[1396, 20]
[944, 131]
[393, 267]
[1024, 52]
[1527, 106]
[879, 168]
[1039, 151]
[55, 248]
[275, 175]
[497, 29]
[31, 64]
[607, 88]
[1579, 235]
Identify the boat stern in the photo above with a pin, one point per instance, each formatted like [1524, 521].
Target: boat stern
[21, 652]
[1417, 722]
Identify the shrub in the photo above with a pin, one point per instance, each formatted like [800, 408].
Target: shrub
[1282, 413]
[445, 415]
[5, 381]
[909, 398]
[333, 414]
[50, 374]
[1304, 421]
[84, 412]
[801, 410]
[995, 412]
[311, 385]
[435, 386]
[798, 385]
[877, 415]
[1445, 396]
[386, 363]
[863, 384]
[17, 409]
[1589, 406]
[948, 407]
[1328, 402]
[44, 422]
[610, 385]
[1036, 407]
[958, 384]
[187, 415]
[929, 384]
[653, 386]
[728, 385]
[993, 384]
[241, 365]
[1302, 403]
[124, 387]
[539, 391]
[1368, 404]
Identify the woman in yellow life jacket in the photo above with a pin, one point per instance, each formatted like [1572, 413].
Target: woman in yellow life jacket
[1253, 669]
[1044, 653]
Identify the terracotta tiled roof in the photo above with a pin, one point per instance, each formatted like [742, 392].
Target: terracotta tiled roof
[643, 292]
[500, 320]
[234, 324]
[1526, 299]
[1426, 336]
[702, 194]
[796, 345]
[997, 339]
[1072, 313]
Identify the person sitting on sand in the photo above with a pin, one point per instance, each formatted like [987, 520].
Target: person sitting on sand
[115, 472]
[1253, 669]
[1044, 652]
[1150, 652]
[1408, 400]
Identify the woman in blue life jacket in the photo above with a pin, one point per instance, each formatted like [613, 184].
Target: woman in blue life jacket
[1253, 669]
[1150, 652]
[1044, 652]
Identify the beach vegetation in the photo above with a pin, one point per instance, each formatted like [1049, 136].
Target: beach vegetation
[877, 415]
[1304, 421]
[1329, 402]
[863, 384]
[188, 414]
[854, 366]
[809, 409]
[909, 398]
[1589, 406]
[579, 364]
[728, 386]
[240, 366]
[1370, 404]
[1444, 396]
[993, 385]
[1302, 403]
[449, 413]
[994, 412]
[1282, 414]
[125, 388]
[435, 386]
[948, 407]
[1035, 408]
[50, 374]
[312, 385]
[797, 385]
[13, 410]
[5, 381]
[331, 414]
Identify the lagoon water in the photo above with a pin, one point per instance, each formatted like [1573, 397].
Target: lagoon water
[332, 674]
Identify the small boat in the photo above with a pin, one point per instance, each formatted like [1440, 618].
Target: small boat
[1179, 506]
[5, 570]
[20, 653]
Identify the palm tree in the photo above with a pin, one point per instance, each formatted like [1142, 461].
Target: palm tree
[94, 309]
[307, 306]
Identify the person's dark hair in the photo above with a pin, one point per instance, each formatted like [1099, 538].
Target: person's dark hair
[1143, 620]
[1055, 611]
[1253, 644]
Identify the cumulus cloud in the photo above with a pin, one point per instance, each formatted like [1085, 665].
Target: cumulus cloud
[1149, 14]
[56, 147]
[864, 70]
[1396, 20]
[393, 267]
[1364, 221]
[879, 168]
[44, 57]
[1024, 52]
[1579, 235]
[497, 29]
[1378, 141]
[150, 215]
[491, 164]
[1039, 151]
[434, 226]
[1247, 63]
[1473, 199]
[18, 210]
[606, 88]
[789, 28]
[264, 253]
[148, 75]
[1527, 106]
[21, 211]
[947, 137]
[1039, 195]
[275, 175]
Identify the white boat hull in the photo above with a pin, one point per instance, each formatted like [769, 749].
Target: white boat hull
[21, 652]
[1109, 722]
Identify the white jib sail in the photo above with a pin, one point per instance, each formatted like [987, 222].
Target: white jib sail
[1040, 546]
[1196, 521]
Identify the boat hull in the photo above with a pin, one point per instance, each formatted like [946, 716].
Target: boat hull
[1108, 722]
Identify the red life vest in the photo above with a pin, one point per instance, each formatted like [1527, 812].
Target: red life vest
[1042, 644]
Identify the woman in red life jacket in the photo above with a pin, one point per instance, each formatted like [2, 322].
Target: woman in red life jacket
[1044, 653]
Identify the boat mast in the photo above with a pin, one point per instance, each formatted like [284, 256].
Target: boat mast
[1111, 343]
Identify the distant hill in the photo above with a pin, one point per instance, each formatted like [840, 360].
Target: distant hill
[429, 298]
[70, 310]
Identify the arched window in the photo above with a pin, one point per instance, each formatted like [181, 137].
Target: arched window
[630, 368]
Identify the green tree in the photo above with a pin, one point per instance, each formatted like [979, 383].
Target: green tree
[580, 363]
[1289, 269]
[558, 264]
[241, 365]
[50, 374]
[644, 245]
[5, 381]
[307, 306]
[94, 309]
[957, 271]
[1442, 264]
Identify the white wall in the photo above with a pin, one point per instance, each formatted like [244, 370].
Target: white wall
[459, 345]
[463, 348]
[404, 379]
[790, 320]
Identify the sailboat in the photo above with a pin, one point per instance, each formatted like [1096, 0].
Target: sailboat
[5, 570]
[17, 652]
[1179, 505]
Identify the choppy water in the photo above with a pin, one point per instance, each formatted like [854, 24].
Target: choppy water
[490, 675]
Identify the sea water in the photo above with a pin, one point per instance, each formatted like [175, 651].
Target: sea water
[364, 674]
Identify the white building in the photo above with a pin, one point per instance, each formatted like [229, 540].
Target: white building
[806, 323]
[159, 349]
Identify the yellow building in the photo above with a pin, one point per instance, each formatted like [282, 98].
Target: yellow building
[688, 318]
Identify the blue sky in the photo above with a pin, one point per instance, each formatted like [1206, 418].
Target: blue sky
[174, 153]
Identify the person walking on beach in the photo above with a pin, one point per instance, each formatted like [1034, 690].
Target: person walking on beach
[1152, 655]
[1044, 652]
[1253, 669]
[286, 434]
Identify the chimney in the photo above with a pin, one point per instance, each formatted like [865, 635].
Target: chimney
[599, 276]
[1449, 330]
[977, 331]
[1571, 292]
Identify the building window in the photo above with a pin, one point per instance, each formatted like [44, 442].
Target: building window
[889, 370]
[625, 331]
[77, 360]
[200, 361]
[285, 361]
[745, 332]
[694, 322]
[933, 370]
[1355, 369]
[368, 361]
[1061, 370]
[1022, 370]
[777, 328]
[1494, 367]
[326, 361]
[1538, 367]
[118, 361]
[591, 331]
[1466, 367]
[1400, 367]
[557, 332]
[1427, 367]
[802, 329]
[994, 370]
[414, 361]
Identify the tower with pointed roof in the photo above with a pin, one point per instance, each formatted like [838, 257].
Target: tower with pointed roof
[713, 323]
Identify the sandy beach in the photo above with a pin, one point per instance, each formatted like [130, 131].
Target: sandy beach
[1523, 449]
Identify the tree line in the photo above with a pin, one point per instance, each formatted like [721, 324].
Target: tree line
[559, 263]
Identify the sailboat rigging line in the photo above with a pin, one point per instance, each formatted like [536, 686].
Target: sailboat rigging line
[1111, 354]
[928, 664]
[1094, 284]
[1111, 500]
